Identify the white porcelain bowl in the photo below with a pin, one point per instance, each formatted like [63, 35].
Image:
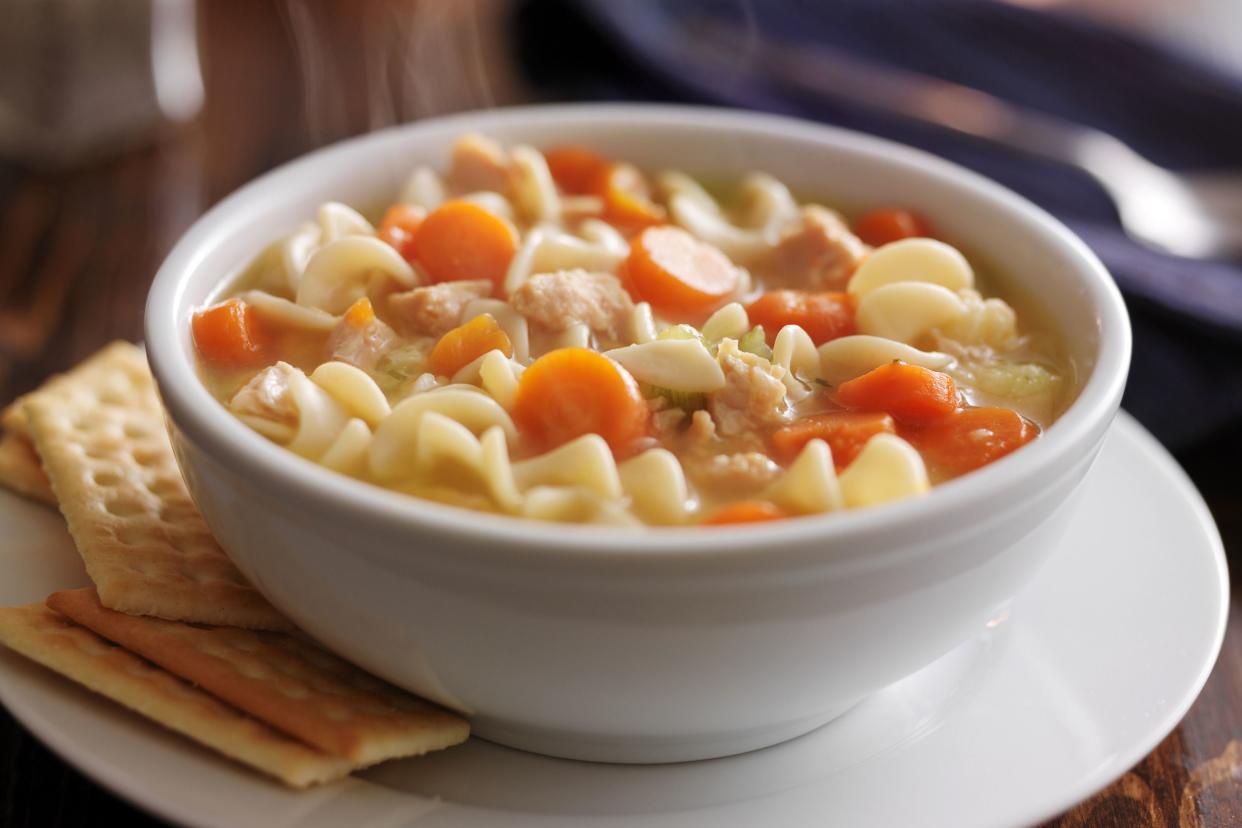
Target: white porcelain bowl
[643, 645]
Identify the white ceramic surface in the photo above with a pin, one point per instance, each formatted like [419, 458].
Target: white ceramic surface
[656, 645]
[1093, 665]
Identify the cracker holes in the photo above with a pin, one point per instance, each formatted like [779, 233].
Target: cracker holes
[139, 535]
[105, 478]
[255, 669]
[124, 507]
[194, 546]
[93, 646]
[329, 688]
[135, 431]
[150, 456]
[141, 669]
[180, 688]
[114, 398]
[336, 712]
[247, 644]
[285, 664]
[177, 514]
[213, 648]
[294, 689]
[200, 576]
[163, 486]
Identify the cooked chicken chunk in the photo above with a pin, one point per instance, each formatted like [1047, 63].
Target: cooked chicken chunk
[266, 404]
[558, 300]
[753, 397]
[817, 253]
[702, 430]
[361, 345]
[478, 163]
[436, 309]
[741, 474]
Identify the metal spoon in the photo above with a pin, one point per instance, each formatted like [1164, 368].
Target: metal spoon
[1198, 215]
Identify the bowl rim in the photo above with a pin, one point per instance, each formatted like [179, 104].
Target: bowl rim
[207, 423]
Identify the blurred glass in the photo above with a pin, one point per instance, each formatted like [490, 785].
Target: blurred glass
[80, 79]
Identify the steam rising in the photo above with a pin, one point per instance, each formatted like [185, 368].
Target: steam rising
[397, 61]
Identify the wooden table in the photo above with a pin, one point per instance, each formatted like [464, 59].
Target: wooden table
[78, 250]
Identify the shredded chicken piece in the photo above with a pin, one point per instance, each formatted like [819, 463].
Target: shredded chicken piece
[266, 402]
[753, 398]
[478, 163]
[668, 421]
[702, 430]
[361, 346]
[560, 299]
[743, 473]
[817, 253]
[435, 310]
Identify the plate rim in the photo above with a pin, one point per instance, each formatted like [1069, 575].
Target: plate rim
[1127, 760]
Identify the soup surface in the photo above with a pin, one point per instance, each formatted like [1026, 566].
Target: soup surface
[561, 336]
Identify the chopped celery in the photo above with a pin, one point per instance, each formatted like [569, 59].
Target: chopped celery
[684, 331]
[1014, 380]
[680, 332]
[687, 401]
[398, 366]
[755, 342]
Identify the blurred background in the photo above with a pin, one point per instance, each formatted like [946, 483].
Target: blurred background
[122, 121]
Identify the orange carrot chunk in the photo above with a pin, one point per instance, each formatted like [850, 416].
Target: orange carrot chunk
[907, 392]
[398, 226]
[845, 432]
[677, 273]
[745, 511]
[360, 313]
[889, 225]
[570, 392]
[971, 438]
[230, 334]
[460, 240]
[466, 343]
[577, 170]
[824, 316]
[627, 200]
[624, 189]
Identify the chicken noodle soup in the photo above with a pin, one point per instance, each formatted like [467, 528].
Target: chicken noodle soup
[561, 336]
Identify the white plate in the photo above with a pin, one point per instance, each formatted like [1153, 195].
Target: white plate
[1093, 665]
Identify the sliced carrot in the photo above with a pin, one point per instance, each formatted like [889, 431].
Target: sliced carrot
[577, 170]
[230, 334]
[889, 225]
[461, 240]
[677, 273]
[745, 511]
[845, 432]
[908, 392]
[971, 438]
[360, 313]
[466, 343]
[627, 200]
[570, 392]
[624, 189]
[824, 315]
[398, 226]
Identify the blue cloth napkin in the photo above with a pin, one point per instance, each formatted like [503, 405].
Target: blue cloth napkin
[1186, 379]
